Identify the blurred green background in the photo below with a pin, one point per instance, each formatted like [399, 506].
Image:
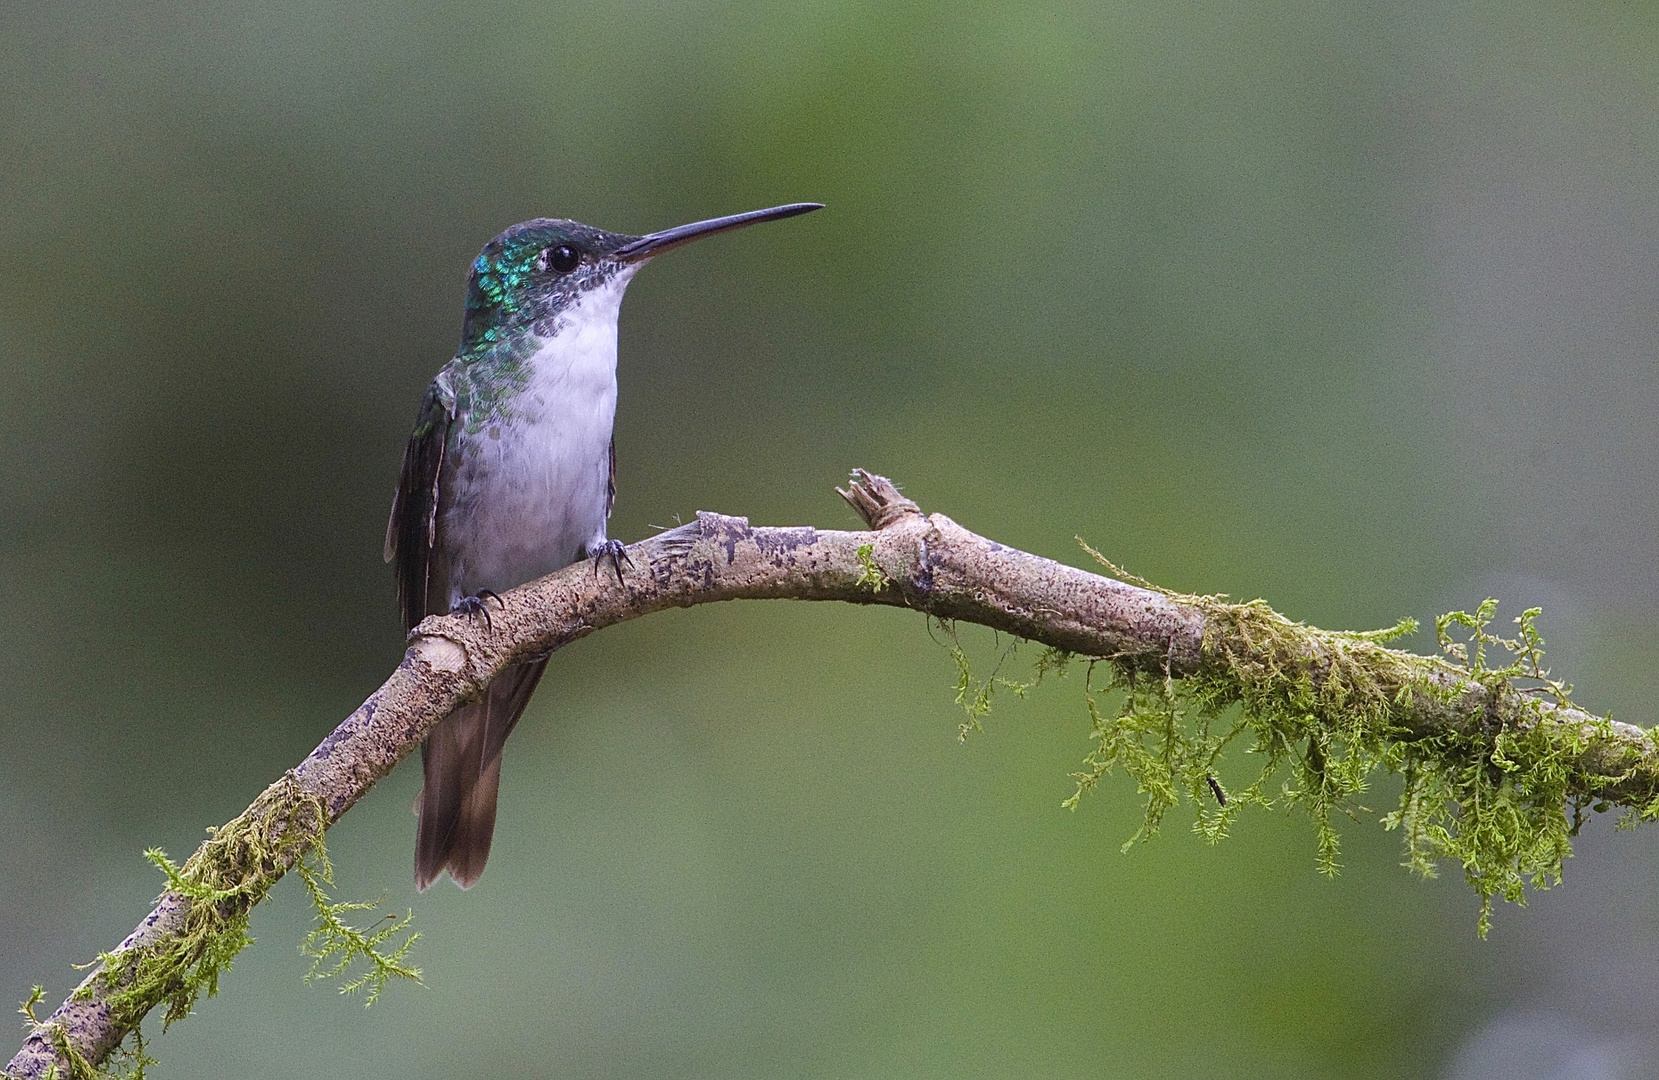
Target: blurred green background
[1350, 306]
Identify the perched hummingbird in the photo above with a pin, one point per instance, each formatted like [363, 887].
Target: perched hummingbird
[509, 475]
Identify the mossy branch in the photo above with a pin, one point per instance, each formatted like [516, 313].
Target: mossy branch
[1498, 762]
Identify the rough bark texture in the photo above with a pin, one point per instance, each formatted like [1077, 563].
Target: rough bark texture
[924, 562]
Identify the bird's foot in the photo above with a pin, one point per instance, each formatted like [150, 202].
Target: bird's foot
[614, 550]
[475, 606]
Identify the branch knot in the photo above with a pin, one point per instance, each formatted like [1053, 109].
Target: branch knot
[877, 499]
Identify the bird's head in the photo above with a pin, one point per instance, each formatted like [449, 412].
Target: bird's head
[529, 275]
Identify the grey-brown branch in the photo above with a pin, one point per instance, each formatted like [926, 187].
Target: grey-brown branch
[907, 559]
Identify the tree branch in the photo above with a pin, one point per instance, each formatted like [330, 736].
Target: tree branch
[1338, 685]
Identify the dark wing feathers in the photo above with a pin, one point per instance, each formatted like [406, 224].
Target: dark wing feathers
[610, 483]
[411, 533]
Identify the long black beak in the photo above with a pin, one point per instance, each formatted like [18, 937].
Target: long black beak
[658, 242]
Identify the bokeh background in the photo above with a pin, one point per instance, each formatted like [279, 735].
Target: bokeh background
[1349, 306]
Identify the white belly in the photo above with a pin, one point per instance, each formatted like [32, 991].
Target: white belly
[530, 488]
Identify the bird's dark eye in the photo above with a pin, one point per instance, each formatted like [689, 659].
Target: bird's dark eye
[562, 259]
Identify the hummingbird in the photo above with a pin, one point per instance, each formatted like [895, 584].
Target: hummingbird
[509, 475]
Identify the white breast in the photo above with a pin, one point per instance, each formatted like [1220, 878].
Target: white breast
[530, 488]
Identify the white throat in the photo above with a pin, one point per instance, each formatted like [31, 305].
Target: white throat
[583, 343]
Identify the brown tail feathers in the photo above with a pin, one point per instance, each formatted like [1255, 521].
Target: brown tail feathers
[462, 757]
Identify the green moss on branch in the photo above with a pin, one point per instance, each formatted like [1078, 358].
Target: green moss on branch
[220, 885]
[1500, 790]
